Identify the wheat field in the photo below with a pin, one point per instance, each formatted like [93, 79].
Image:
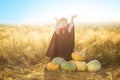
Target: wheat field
[23, 48]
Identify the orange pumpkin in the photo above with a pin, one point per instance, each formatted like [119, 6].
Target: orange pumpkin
[78, 56]
[52, 66]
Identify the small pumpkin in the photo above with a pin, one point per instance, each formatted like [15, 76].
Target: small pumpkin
[81, 66]
[78, 56]
[68, 66]
[52, 66]
[58, 60]
[94, 66]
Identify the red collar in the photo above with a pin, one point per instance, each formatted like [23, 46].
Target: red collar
[62, 28]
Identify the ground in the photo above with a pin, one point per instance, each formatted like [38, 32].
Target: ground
[38, 72]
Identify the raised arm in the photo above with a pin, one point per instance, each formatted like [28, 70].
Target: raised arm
[73, 17]
[71, 25]
[56, 26]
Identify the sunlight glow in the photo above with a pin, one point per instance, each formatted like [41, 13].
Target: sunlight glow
[38, 11]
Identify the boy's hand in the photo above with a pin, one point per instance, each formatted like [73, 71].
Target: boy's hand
[72, 17]
[56, 20]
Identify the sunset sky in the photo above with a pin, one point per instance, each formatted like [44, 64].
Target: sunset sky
[44, 11]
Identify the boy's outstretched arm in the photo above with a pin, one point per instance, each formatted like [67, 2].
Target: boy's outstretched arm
[71, 25]
[56, 26]
[72, 18]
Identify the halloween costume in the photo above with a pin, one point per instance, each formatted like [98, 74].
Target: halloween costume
[62, 43]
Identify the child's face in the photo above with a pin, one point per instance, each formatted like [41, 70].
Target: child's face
[63, 24]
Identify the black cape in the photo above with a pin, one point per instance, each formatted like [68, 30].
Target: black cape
[61, 44]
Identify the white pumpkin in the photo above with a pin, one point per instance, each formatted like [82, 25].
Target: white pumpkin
[94, 66]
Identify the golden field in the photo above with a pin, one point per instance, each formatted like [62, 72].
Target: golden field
[23, 48]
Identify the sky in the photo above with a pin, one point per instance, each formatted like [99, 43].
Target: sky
[44, 11]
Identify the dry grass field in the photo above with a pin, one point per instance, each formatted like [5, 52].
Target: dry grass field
[23, 48]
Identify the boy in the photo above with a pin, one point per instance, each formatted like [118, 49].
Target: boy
[62, 42]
